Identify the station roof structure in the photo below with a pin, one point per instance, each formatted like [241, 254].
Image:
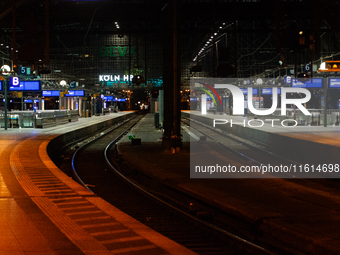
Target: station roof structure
[251, 37]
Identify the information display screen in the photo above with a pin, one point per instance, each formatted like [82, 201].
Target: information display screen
[108, 98]
[334, 83]
[245, 91]
[50, 93]
[75, 93]
[27, 86]
[269, 91]
[311, 83]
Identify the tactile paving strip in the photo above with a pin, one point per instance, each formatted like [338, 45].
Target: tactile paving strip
[87, 226]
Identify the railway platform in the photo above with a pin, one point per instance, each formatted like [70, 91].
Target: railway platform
[43, 211]
[297, 215]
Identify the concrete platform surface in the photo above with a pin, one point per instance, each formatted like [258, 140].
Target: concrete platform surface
[299, 214]
[43, 211]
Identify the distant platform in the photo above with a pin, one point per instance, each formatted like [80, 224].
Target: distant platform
[296, 214]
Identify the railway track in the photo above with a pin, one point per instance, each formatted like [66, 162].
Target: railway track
[258, 153]
[167, 211]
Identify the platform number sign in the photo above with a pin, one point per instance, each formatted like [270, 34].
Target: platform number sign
[23, 70]
[73, 84]
[15, 81]
[307, 68]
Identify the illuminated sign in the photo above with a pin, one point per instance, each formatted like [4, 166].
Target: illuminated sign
[27, 86]
[75, 93]
[28, 101]
[110, 98]
[5, 69]
[114, 78]
[330, 66]
[0, 85]
[245, 91]
[311, 83]
[269, 91]
[288, 79]
[116, 51]
[50, 93]
[334, 83]
[24, 70]
[14, 81]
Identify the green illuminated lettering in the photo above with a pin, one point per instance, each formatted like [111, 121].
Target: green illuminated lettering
[115, 51]
[133, 50]
[103, 51]
[122, 53]
[112, 48]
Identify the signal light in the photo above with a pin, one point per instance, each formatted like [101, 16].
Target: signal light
[15, 68]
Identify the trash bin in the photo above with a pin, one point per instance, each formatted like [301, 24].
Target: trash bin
[315, 119]
[88, 113]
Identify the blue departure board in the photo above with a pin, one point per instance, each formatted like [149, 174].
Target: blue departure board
[311, 83]
[245, 91]
[75, 93]
[27, 86]
[50, 93]
[269, 91]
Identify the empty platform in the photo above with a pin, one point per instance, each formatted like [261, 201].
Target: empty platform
[43, 211]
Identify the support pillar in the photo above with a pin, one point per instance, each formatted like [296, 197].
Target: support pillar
[161, 107]
[172, 79]
[204, 104]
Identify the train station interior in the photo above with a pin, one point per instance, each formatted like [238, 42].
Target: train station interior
[169, 127]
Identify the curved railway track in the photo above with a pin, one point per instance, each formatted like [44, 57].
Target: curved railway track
[167, 212]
